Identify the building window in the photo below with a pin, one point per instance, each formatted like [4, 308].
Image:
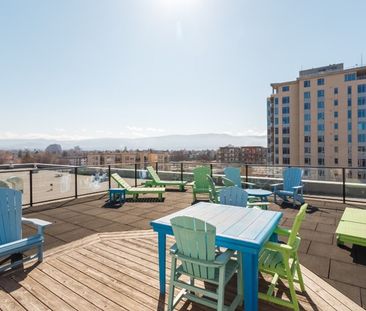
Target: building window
[285, 88]
[349, 102]
[307, 139]
[350, 77]
[307, 117]
[285, 150]
[286, 130]
[307, 161]
[349, 162]
[361, 126]
[335, 90]
[320, 115]
[361, 88]
[306, 95]
[276, 130]
[285, 140]
[335, 114]
[335, 137]
[320, 93]
[336, 126]
[361, 113]
[321, 139]
[276, 101]
[320, 105]
[276, 110]
[349, 89]
[285, 100]
[361, 138]
[307, 150]
[307, 83]
[320, 161]
[286, 120]
[349, 138]
[336, 149]
[285, 110]
[349, 126]
[276, 121]
[335, 102]
[320, 149]
[307, 128]
[321, 81]
[335, 160]
[306, 106]
[286, 160]
[361, 100]
[320, 127]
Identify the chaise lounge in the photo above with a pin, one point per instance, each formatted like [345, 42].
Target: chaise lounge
[157, 182]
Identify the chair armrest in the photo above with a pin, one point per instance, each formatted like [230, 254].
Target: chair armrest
[224, 257]
[205, 263]
[174, 249]
[278, 247]
[251, 184]
[40, 224]
[227, 182]
[190, 184]
[282, 231]
[276, 185]
[297, 187]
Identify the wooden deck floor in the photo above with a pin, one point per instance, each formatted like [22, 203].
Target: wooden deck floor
[119, 271]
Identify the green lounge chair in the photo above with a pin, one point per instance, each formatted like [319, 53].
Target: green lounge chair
[214, 192]
[157, 182]
[135, 191]
[200, 182]
[281, 261]
[195, 249]
[352, 227]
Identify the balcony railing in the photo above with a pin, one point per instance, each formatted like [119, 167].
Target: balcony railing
[42, 183]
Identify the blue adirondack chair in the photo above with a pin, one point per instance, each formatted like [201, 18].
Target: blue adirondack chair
[12, 245]
[292, 186]
[232, 174]
[239, 197]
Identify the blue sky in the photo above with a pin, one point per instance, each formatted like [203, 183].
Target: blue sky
[132, 68]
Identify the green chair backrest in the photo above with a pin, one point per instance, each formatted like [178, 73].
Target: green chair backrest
[199, 176]
[120, 181]
[212, 189]
[153, 174]
[297, 224]
[228, 182]
[195, 239]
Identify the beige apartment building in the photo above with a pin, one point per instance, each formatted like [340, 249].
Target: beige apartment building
[246, 154]
[319, 119]
[127, 158]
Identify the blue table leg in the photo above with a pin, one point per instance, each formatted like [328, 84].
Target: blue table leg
[162, 260]
[250, 277]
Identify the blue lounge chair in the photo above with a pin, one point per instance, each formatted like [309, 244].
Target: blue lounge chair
[239, 197]
[233, 178]
[292, 186]
[12, 245]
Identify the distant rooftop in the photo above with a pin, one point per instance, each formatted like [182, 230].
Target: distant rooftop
[321, 70]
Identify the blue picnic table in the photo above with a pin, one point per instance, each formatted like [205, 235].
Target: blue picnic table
[242, 229]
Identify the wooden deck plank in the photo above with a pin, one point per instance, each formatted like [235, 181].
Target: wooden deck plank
[8, 303]
[59, 289]
[47, 297]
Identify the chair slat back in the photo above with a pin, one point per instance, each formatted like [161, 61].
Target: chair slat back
[120, 181]
[228, 182]
[153, 174]
[200, 177]
[297, 224]
[234, 196]
[233, 173]
[10, 215]
[292, 178]
[212, 189]
[195, 239]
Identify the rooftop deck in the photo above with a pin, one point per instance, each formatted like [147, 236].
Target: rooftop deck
[108, 265]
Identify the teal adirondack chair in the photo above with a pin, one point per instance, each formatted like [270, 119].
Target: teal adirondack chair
[282, 261]
[292, 186]
[200, 182]
[12, 244]
[195, 249]
[233, 178]
[214, 191]
[238, 197]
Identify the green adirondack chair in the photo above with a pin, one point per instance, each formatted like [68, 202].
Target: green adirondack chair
[135, 191]
[200, 183]
[195, 249]
[214, 193]
[156, 181]
[281, 261]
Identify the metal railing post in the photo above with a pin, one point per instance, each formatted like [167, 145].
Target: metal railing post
[31, 187]
[211, 169]
[157, 167]
[181, 171]
[135, 174]
[109, 177]
[246, 175]
[344, 184]
[76, 181]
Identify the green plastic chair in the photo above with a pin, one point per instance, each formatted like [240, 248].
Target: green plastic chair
[213, 190]
[281, 261]
[195, 249]
[200, 183]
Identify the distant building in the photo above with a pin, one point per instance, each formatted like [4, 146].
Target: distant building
[54, 149]
[127, 157]
[319, 119]
[246, 154]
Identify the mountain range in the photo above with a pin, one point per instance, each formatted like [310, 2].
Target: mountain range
[168, 142]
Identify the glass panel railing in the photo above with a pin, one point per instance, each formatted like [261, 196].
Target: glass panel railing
[17, 179]
[355, 185]
[92, 179]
